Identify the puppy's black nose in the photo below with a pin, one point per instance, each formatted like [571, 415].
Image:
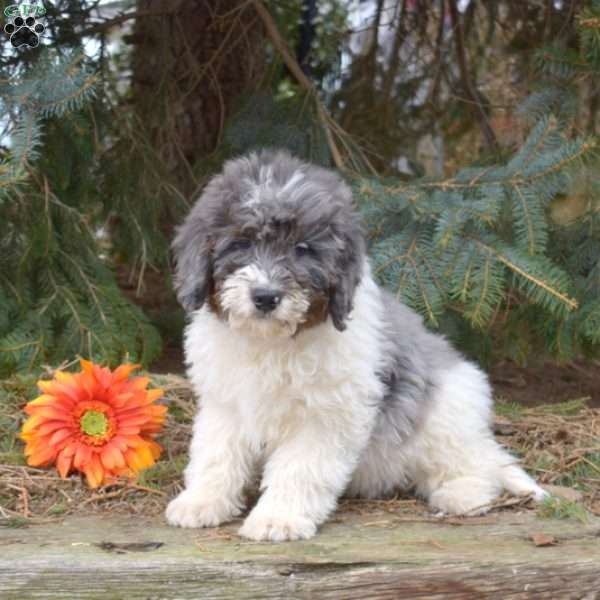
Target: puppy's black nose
[266, 299]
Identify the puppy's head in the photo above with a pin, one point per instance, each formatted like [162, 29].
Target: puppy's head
[272, 246]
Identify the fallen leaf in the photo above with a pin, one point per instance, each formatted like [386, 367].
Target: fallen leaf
[563, 492]
[130, 547]
[543, 539]
[503, 427]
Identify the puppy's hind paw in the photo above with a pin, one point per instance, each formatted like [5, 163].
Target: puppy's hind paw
[518, 483]
[189, 510]
[537, 493]
[463, 496]
[277, 528]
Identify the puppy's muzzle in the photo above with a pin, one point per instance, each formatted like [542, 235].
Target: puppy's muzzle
[266, 300]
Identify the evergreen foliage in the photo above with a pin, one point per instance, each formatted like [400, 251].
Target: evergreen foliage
[460, 238]
[58, 295]
[481, 250]
[471, 242]
[86, 188]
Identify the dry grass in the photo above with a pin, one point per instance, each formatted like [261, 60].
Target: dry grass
[559, 444]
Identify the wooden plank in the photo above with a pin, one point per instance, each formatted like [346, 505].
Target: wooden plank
[371, 555]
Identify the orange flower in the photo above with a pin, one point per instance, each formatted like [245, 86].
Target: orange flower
[98, 421]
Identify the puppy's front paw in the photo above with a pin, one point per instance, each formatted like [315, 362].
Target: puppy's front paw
[278, 528]
[191, 510]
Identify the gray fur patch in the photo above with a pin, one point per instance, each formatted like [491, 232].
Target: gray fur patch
[292, 220]
[413, 355]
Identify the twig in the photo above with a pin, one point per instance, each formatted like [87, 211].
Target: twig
[145, 489]
[467, 84]
[24, 497]
[290, 62]
[502, 503]
[25, 500]
[122, 18]
[106, 496]
[591, 464]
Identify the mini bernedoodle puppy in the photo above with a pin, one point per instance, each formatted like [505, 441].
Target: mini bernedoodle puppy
[310, 374]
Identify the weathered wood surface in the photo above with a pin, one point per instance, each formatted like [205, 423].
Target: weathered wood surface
[359, 556]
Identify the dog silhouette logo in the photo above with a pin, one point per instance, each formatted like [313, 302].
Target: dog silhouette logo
[22, 26]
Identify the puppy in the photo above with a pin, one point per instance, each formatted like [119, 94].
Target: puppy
[309, 373]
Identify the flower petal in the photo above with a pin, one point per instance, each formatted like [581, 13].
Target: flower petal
[65, 377]
[90, 476]
[41, 457]
[63, 463]
[58, 437]
[119, 442]
[133, 460]
[32, 409]
[112, 458]
[83, 454]
[103, 376]
[120, 400]
[52, 426]
[94, 472]
[88, 385]
[87, 366]
[155, 394]
[36, 444]
[135, 441]
[69, 391]
[140, 383]
[42, 400]
[128, 431]
[47, 386]
[122, 372]
[97, 468]
[53, 412]
[133, 420]
[145, 455]
[31, 423]
[70, 449]
[155, 448]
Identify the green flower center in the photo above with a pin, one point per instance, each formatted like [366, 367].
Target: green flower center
[94, 423]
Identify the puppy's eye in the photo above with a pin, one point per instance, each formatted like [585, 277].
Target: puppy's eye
[304, 249]
[237, 246]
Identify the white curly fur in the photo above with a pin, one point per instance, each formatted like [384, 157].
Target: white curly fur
[365, 402]
[305, 407]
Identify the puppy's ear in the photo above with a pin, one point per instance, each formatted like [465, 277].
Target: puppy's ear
[349, 271]
[192, 250]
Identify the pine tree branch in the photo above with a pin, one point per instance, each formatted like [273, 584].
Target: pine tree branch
[527, 214]
[451, 184]
[476, 312]
[571, 303]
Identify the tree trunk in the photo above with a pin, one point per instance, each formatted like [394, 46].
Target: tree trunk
[192, 60]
